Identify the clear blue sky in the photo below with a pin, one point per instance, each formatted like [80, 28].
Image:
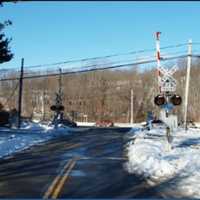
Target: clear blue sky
[45, 32]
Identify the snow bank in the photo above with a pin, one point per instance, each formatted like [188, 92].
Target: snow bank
[129, 125]
[14, 140]
[149, 156]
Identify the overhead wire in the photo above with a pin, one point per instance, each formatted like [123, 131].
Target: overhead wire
[101, 57]
[96, 66]
[28, 71]
[107, 56]
[94, 69]
[196, 55]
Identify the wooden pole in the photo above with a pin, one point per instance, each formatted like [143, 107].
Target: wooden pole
[20, 93]
[131, 106]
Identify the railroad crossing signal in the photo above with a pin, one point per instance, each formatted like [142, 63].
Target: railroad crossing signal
[166, 82]
[58, 107]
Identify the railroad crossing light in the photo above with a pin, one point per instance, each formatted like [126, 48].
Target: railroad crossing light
[57, 108]
[176, 100]
[159, 100]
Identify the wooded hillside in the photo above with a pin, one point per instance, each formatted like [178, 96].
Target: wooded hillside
[104, 94]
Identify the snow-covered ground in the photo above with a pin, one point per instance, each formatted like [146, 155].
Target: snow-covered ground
[14, 140]
[175, 171]
[128, 125]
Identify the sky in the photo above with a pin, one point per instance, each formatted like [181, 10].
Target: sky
[48, 32]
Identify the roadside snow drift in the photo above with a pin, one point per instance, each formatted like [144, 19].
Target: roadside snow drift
[174, 171]
[14, 140]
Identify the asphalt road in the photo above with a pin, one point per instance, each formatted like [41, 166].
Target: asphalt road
[86, 164]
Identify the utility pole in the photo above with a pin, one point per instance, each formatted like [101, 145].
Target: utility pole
[20, 93]
[189, 62]
[131, 106]
[44, 92]
[43, 104]
[60, 83]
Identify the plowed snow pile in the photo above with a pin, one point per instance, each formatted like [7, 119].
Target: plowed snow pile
[174, 172]
[14, 140]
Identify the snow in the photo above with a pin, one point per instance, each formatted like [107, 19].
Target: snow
[127, 125]
[14, 140]
[164, 166]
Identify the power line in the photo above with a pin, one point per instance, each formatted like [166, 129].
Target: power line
[108, 56]
[107, 63]
[94, 69]
[196, 43]
[196, 56]
[101, 57]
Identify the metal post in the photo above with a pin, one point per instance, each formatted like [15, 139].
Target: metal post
[131, 106]
[158, 58]
[189, 62]
[20, 93]
[59, 113]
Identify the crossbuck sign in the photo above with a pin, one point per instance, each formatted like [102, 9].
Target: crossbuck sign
[166, 81]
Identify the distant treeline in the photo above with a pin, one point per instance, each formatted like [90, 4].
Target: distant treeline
[102, 95]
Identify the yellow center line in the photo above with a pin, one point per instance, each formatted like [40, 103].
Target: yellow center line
[55, 182]
[73, 145]
[62, 181]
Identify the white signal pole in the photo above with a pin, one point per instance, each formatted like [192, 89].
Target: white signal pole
[189, 62]
[131, 106]
[158, 58]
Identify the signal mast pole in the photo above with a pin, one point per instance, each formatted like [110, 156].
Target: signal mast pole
[59, 95]
[158, 58]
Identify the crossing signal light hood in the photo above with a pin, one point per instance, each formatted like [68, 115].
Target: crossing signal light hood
[159, 100]
[57, 108]
[176, 100]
